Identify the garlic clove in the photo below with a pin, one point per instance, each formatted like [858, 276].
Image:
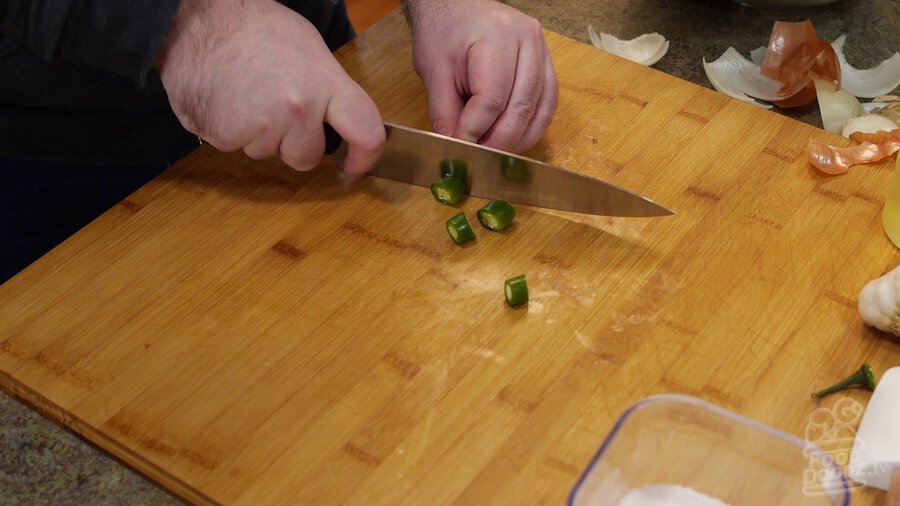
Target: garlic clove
[879, 302]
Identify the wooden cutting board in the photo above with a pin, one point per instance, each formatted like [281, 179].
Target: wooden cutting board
[246, 334]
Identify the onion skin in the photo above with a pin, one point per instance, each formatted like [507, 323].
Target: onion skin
[833, 160]
[795, 52]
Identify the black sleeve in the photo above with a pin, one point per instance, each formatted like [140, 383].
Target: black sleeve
[122, 36]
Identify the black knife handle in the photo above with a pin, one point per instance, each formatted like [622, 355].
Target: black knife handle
[333, 139]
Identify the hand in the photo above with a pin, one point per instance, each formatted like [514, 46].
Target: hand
[257, 76]
[487, 71]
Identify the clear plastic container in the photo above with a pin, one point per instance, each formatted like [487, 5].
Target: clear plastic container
[681, 440]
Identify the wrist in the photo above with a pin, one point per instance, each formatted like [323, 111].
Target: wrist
[193, 22]
[419, 11]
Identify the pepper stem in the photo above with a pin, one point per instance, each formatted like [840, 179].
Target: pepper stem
[863, 377]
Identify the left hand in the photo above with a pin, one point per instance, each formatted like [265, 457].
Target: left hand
[487, 71]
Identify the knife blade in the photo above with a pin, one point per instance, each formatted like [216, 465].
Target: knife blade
[414, 156]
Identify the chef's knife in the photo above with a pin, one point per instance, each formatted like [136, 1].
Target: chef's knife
[414, 156]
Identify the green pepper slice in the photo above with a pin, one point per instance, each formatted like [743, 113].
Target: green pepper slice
[496, 215]
[459, 229]
[456, 168]
[514, 169]
[516, 290]
[448, 190]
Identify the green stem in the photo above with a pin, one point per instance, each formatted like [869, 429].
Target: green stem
[863, 377]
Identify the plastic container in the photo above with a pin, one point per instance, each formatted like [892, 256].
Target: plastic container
[681, 440]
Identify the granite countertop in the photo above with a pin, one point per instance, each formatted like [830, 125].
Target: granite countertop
[41, 463]
[698, 29]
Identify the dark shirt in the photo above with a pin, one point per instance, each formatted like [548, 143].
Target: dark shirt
[77, 82]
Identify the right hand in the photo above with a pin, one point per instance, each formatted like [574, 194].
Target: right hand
[257, 76]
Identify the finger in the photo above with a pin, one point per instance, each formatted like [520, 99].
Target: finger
[492, 71]
[353, 115]
[523, 99]
[303, 146]
[445, 102]
[546, 108]
[267, 140]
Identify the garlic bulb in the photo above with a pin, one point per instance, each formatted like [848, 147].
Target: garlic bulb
[879, 302]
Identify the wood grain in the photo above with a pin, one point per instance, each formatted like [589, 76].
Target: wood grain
[246, 334]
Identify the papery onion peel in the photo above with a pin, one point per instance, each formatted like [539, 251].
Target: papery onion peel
[868, 83]
[835, 106]
[793, 52]
[834, 160]
[646, 49]
[879, 137]
[794, 56]
[739, 78]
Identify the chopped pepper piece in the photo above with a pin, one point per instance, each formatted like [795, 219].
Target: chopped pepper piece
[496, 215]
[456, 168]
[514, 169]
[516, 290]
[459, 229]
[448, 190]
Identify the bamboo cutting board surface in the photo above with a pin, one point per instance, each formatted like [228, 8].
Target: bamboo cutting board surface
[245, 334]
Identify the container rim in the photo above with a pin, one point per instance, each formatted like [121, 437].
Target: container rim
[687, 399]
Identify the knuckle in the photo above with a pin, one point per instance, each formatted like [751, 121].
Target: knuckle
[297, 107]
[494, 104]
[524, 109]
[533, 27]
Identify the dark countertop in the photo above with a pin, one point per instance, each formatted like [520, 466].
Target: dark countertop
[698, 29]
[41, 463]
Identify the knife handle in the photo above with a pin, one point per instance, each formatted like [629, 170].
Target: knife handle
[333, 139]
